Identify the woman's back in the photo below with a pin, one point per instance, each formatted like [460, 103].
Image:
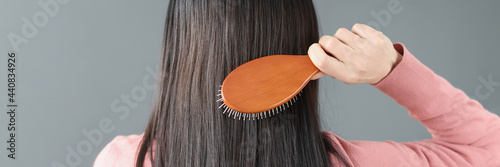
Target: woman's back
[203, 42]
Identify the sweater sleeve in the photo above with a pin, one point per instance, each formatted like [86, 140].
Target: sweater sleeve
[463, 132]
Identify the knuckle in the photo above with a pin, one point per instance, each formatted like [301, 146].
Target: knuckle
[323, 39]
[372, 31]
[380, 41]
[380, 34]
[322, 64]
[377, 41]
[368, 28]
[329, 42]
[357, 26]
[340, 32]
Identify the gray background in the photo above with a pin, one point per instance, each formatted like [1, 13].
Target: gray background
[92, 53]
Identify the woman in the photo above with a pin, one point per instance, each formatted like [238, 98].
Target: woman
[205, 40]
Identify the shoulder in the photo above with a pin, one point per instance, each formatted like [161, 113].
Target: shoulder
[121, 151]
[339, 147]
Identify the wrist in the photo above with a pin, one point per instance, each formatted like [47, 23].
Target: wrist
[399, 57]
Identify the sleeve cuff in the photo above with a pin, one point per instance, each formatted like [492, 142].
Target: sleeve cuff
[412, 84]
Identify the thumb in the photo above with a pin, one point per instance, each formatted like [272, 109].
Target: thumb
[325, 63]
[318, 75]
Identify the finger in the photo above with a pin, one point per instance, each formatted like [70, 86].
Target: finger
[318, 75]
[367, 31]
[373, 34]
[335, 47]
[358, 30]
[347, 37]
[324, 62]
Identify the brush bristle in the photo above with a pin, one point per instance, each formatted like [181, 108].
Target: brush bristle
[255, 116]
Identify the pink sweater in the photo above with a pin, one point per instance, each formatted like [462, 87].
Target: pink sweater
[464, 133]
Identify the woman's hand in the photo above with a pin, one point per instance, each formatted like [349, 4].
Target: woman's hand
[362, 55]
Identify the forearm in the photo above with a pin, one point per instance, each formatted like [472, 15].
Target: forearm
[447, 112]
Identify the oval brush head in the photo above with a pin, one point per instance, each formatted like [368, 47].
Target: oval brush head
[265, 86]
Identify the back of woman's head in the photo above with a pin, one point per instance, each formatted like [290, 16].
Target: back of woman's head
[203, 42]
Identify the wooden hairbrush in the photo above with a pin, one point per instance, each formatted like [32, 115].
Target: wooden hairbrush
[265, 86]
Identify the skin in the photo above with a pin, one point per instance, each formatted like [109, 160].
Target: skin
[361, 55]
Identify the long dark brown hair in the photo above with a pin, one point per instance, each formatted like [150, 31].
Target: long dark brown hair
[204, 40]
